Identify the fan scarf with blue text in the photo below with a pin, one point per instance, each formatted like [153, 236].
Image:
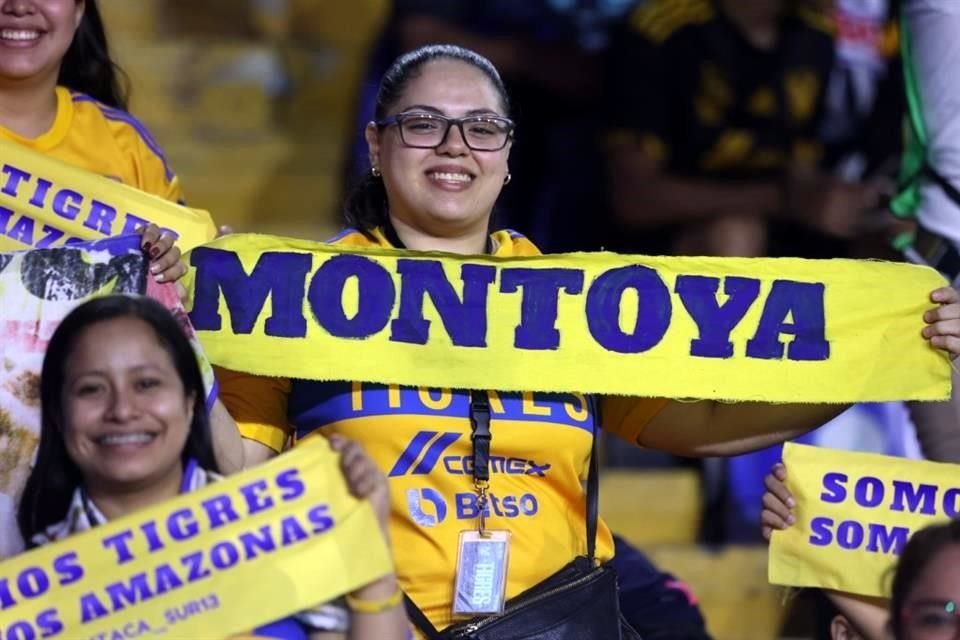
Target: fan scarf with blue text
[399, 319]
[855, 513]
[739, 329]
[187, 568]
[45, 203]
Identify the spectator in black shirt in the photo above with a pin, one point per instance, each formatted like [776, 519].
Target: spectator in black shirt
[713, 123]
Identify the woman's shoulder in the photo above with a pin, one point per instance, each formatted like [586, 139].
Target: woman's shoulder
[113, 130]
[508, 243]
[353, 237]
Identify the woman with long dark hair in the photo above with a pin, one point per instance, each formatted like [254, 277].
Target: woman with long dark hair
[124, 427]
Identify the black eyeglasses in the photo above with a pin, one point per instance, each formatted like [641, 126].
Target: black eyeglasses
[428, 131]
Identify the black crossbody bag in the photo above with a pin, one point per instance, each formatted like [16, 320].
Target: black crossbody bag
[578, 602]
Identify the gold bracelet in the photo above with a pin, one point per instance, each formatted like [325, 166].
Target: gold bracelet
[374, 606]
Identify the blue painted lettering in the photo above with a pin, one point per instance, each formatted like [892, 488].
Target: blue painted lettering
[253, 493]
[910, 497]
[220, 511]
[150, 532]
[135, 591]
[834, 487]
[68, 568]
[66, 204]
[869, 491]
[538, 307]
[715, 321]
[22, 230]
[319, 516]
[277, 274]
[118, 542]
[801, 302]
[224, 555]
[605, 298]
[291, 484]
[14, 178]
[951, 503]
[376, 296]
[465, 321]
[101, 217]
[182, 525]
[850, 534]
[49, 622]
[51, 235]
[884, 540]
[33, 582]
[91, 608]
[821, 531]
[255, 542]
[291, 531]
[39, 198]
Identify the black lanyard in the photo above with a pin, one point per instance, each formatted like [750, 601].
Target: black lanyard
[480, 436]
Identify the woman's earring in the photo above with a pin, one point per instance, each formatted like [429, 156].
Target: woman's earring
[375, 171]
[507, 178]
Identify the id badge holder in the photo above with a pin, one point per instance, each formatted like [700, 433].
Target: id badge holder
[481, 581]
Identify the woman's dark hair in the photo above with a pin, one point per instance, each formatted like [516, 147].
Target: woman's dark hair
[366, 205]
[919, 553]
[55, 476]
[87, 66]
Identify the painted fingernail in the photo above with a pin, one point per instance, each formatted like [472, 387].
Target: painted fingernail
[791, 503]
[791, 520]
[154, 252]
[147, 247]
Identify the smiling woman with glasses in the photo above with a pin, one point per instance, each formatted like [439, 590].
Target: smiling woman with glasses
[439, 152]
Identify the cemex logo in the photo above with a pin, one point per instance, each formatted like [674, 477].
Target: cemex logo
[426, 449]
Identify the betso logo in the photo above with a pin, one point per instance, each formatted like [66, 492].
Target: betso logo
[428, 508]
[427, 447]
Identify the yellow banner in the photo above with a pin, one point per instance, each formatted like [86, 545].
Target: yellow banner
[237, 554]
[855, 512]
[46, 203]
[733, 329]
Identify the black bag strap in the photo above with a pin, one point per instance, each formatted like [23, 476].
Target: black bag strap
[943, 183]
[419, 620]
[939, 253]
[481, 436]
[593, 483]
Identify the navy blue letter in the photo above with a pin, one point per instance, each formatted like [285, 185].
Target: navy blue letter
[715, 322]
[603, 309]
[465, 321]
[538, 308]
[376, 294]
[803, 303]
[277, 274]
[834, 489]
